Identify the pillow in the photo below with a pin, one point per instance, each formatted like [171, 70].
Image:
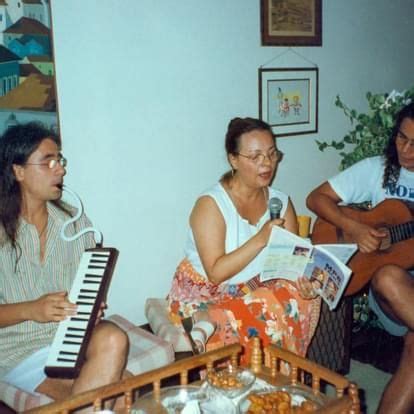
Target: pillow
[156, 312]
[146, 351]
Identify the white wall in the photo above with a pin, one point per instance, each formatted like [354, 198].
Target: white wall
[146, 89]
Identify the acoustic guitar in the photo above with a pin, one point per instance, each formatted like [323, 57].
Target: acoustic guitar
[394, 216]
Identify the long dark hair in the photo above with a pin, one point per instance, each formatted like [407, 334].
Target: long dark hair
[392, 165]
[16, 146]
[236, 128]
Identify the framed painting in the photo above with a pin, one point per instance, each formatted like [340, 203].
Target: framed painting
[27, 73]
[291, 22]
[288, 100]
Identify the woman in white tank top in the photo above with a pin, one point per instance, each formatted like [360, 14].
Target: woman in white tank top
[229, 227]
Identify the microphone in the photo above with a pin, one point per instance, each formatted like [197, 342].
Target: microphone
[275, 207]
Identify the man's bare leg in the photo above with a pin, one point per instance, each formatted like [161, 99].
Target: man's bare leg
[57, 389]
[394, 289]
[106, 358]
[398, 396]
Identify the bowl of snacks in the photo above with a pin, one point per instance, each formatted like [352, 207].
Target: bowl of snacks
[281, 400]
[231, 381]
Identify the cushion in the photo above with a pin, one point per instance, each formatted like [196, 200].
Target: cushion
[21, 400]
[146, 352]
[156, 312]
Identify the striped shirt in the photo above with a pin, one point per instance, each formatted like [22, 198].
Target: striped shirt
[32, 279]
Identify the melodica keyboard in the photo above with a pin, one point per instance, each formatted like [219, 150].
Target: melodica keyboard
[88, 291]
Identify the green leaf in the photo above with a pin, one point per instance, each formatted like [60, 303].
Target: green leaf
[338, 145]
[381, 98]
[338, 102]
[321, 145]
[389, 121]
[370, 131]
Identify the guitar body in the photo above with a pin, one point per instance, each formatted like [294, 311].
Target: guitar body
[388, 213]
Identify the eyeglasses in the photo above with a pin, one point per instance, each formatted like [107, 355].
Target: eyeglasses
[259, 158]
[51, 164]
[404, 140]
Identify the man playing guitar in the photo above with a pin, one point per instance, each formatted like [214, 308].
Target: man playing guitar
[392, 289]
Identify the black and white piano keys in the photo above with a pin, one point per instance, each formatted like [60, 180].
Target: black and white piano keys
[89, 288]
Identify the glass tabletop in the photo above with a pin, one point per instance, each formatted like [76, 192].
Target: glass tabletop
[204, 399]
[184, 399]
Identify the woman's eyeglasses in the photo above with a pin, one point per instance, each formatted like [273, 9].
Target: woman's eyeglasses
[52, 163]
[259, 158]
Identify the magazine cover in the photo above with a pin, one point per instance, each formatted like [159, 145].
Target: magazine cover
[289, 256]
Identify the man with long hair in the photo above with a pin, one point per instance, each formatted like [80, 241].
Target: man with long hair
[392, 288]
[37, 268]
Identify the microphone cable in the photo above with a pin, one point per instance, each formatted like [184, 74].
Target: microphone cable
[97, 234]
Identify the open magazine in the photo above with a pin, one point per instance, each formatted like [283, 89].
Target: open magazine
[289, 256]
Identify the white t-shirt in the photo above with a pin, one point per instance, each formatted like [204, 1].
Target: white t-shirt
[238, 231]
[363, 182]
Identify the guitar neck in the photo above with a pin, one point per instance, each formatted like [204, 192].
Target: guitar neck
[400, 232]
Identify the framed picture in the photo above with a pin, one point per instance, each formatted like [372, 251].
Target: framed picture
[288, 100]
[291, 22]
[27, 75]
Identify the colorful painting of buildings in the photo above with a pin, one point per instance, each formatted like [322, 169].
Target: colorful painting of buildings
[26, 57]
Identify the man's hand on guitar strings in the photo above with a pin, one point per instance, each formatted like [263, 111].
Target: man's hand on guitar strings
[368, 238]
[385, 242]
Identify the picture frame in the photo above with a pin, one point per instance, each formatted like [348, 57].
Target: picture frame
[291, 22]
[288, 100]
[27, 80]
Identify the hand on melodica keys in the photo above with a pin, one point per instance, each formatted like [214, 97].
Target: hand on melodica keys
[52, 307]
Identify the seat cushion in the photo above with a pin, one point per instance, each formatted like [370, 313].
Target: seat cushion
[146, 351]
[21, 400]
[156, 312]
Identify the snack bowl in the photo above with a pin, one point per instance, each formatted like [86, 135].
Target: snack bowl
[288, 396]
[231, 381]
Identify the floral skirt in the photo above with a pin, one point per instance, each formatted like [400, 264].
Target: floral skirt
[273, 311]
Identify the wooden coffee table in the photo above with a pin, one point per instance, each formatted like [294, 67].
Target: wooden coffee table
[273, 365]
